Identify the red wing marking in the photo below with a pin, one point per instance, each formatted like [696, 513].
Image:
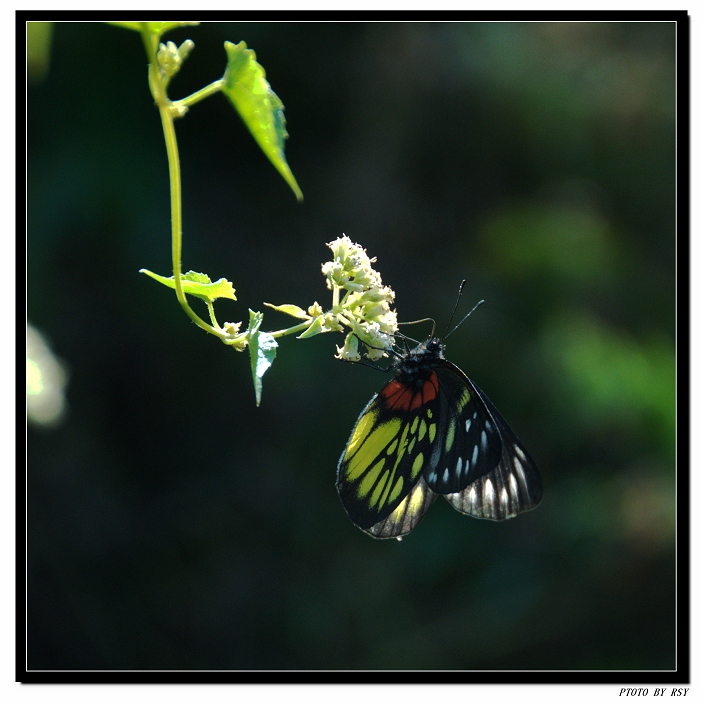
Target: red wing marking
[430, 388]
[398, 396]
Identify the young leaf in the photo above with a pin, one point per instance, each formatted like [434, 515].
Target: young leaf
[262, 351]
[261, 109]
[292, 310]
[197, 284]
[315, 328]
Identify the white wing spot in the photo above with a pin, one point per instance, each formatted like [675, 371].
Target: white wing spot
[432, 477]
[519, 452]
[468, 425]
[488, 492]
[445, 478]
[513, 485]
[474, 456]
[488, 425]
[473, 417]
[473, 497]
[458, 466]
[484, 440]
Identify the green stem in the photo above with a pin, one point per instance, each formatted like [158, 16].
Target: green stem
[174, 170]
[157, 85]
[211, 310]
[292, 330]
[199, 95]
[158, 91]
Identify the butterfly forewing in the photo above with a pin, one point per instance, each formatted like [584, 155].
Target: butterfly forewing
[389, 447]
[469, 443]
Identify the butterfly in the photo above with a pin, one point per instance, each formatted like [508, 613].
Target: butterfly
[431, 431]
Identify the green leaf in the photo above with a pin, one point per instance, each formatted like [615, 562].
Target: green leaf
[315, 328]
[157, 28]
[136, 26]
[292, 310]
[197, 284]
[261, 109]
[262, 351]
[38, 49]
[195, 277]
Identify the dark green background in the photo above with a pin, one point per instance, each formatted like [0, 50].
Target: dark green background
[172, 524]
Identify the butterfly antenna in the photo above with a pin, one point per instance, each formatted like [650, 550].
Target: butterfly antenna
[456, 305]
[463, 318]
[404, 337]
[415, 322]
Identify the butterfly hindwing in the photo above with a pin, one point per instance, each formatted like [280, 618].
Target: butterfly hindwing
[511, 487]
[379, 473]
[408, 513]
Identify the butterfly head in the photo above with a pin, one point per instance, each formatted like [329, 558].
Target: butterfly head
[418, 362]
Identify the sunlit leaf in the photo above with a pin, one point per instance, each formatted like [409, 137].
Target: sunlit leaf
[197, 284]
[262, 351]
[315, 328]
[292, 310]
[261, 109]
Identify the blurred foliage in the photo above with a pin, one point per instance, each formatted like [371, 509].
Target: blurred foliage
[537, 160]
[38, 50]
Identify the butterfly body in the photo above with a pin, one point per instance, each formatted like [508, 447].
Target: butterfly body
[430, 431]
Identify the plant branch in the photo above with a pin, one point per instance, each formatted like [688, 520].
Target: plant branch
[201, 94]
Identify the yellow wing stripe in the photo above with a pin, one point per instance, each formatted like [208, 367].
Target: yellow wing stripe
[396, 489]
[450, 436]
[386, 498]
[382, 487]
[361, 453]
[417, 464]
[368, 481]
[402, 447]
[360, 431]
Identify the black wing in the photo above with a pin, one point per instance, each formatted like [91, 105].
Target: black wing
[483, 469]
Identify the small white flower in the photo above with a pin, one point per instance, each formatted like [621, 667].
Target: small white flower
[315, 310]
[350, 350]
[170, 57]
[231, 329]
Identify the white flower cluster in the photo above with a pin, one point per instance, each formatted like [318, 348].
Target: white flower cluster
[366, 307]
